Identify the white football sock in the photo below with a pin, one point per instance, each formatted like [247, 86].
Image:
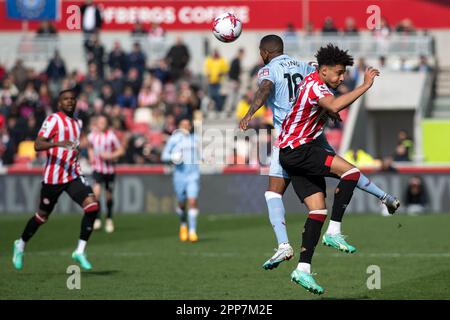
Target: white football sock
[334, 227]
[305, 267]
[81, 246]
[21, 245]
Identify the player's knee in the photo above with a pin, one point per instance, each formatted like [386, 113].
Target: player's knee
[269, 195]
[319, 215]
[92, 207]
[352, 174]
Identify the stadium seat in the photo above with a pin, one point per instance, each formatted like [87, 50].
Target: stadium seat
[26, 150]
[334, 138]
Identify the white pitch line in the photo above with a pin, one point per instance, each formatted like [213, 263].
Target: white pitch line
[236, 254]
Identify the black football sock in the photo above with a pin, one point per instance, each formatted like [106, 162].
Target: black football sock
[32, 226]
[344, 193]
[87, 223]
[109, 206]
[311, 234]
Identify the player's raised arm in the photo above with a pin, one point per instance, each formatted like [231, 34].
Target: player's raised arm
[260, 98]
[336, 104]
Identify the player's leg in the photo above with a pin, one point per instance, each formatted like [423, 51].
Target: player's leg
[82, 194]
[97, 188]
[278, 183]
[311, 191]
[182, 214]
[48, 198]
[109, 189]
[179, 186]
[349, 176]
[364, 183]
[192, 190]
[273, 195]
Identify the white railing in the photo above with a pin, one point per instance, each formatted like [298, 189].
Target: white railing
[365, 45]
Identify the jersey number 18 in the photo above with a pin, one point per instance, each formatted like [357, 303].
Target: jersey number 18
[293, 83]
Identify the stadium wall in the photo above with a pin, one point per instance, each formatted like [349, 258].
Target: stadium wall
[233, 191]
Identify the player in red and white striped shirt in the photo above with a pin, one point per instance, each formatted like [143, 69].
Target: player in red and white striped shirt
[308, 163]
[104, 149]
[60, 138]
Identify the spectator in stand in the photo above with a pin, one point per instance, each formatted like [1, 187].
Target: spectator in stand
[359, 158]
[95, 53]
[91, 18]
[234, 75]
[423, 65]
[107, 95]
[382, 63]
[161, 71]
[215, 68]
[137, 59]
[177, 58]
[406, 27]
[156, 32]
[46, 29]
[116, 80]
[350, 27]
[256, 67]
[387, 165]
[383, 30]
[139, 29]
[416, 196]
[401, 153]
[94, 78]
[150, 93]
[134, 80]
[243, 106]
[329, 29]
[404, 139]
[19, 74]
[309, 29]
[170, 125]
[127, 99]
[56, 71]
[117, 58]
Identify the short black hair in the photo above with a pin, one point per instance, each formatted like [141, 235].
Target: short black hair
[67, 90]
[272, 43]
[331, 55]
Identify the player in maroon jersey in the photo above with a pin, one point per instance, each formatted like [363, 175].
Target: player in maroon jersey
[60, 138]
[305, 160]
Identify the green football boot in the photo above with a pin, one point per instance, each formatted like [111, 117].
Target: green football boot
[337, 241]
[17, 256]
[306, 280]
[82, 260]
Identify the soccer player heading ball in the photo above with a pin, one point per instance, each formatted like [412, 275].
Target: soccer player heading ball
[306, 160]
[60, 137]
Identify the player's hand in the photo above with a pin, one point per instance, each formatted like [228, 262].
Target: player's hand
[105, 156]
[243, 124]
[369, 76]
[334, 116]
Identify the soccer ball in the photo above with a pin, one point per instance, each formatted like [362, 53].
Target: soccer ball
[227, 27]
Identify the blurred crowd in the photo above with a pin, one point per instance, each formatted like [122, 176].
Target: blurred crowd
[145, 102]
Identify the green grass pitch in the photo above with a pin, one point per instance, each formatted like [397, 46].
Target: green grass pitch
[144, 259]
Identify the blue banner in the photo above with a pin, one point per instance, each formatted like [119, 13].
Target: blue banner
[32, 9]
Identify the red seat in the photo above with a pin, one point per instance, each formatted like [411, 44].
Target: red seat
[141, 128]
[22, 160]
[156, 138]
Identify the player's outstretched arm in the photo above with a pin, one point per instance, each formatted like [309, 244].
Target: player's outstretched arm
[333, 104]
[258, 101]
[42, 144]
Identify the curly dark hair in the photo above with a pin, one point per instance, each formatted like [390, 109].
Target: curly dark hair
[331, 55]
